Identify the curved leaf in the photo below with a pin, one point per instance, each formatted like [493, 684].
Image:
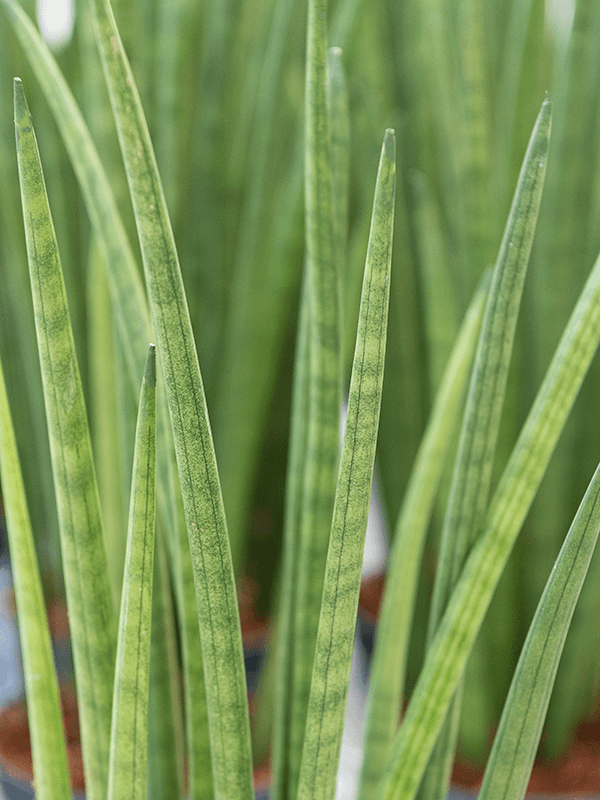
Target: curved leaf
[126, 286]
[205, 518]
[386, 683]
[506, 513]
[516, 743]
[472, 473]
[86, 572]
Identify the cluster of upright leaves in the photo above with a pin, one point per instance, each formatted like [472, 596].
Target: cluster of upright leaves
[326, 506]
[128, 749]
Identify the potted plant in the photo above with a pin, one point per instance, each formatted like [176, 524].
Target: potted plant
[168, 713]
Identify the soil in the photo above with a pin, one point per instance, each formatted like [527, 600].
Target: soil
[15, 750]
[577, 771]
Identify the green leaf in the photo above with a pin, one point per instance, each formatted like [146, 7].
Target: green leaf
[284, 641]
[129, 300]
[440, 301]
[50, 766]
[475, 457]
[324, 392]
[207, 532]
[199, 766]
[386, 684]
[128, 777]
[166, 739]
[126, 287]
[103, 411]
[331, 673]
[473, 138]
[511, 760]
[259, 300]
[470, 485]
[89, 599]
[339, 133]
[509, 506]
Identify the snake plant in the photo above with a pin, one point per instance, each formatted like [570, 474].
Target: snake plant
[202, 215]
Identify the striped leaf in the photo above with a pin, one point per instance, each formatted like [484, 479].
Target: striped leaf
[475, 457]
[166, 738]
[506, 513]
[128, 776]
[324, 382]
[91, 613]
[474, 460]
[129, 300]
[516, 743]
[386, 686]
[126, 287]
[50, 767]
[335, 639]
[207, 532]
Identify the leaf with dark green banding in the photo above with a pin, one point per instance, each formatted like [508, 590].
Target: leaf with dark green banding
[325, 391]
[516, 743]
[211, 560]
[50, 766]
[339, 134]
[128, 775]
[126, 286]
[386, 684]
[199, 768]
[166, 737]
[91, 613]
[474, 459]
[127, 290]
[285, 650]
[331, 673]
[481, 423]
[509, 506]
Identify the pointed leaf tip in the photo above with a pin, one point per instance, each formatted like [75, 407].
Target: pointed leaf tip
[20, 102]
[389, 144]
[150, 370]
[544, 122]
